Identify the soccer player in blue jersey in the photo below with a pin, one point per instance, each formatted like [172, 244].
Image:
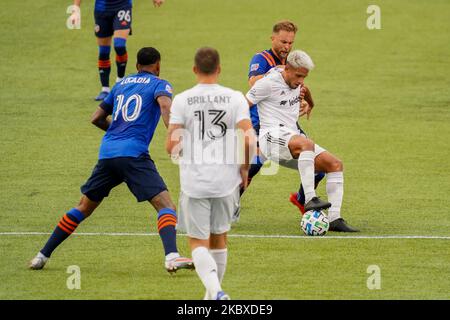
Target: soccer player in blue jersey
[135, 105]
[112, 19]
[283, 36]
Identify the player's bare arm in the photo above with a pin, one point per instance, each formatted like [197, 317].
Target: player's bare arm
[250, 138]
[305, 108]
[308, 96]
[252, 80]
[165, 103]
[100, 119]
[249, 147]
[307, 102]
[173, 139]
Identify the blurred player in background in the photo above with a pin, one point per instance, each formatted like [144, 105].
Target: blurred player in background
[210, 114]
[135, 105]
[281, 140]
[112, 19]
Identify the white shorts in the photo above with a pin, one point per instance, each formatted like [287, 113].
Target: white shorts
[201, 217]
[274, 144]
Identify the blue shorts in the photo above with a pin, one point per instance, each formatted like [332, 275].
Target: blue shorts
[109, 21]
[139, 174]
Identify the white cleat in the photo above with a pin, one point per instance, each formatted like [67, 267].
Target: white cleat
[38, 262]
[173, 265]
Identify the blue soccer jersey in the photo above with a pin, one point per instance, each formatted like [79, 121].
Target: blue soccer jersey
[260, 64]
[111, 5]
[135, 114]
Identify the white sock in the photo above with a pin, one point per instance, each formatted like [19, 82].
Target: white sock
[172, 256]
[306, 169]
[206, 268]
[40, 255]
[335, 192]
[105, 89]
[220, 256]
[207, 296]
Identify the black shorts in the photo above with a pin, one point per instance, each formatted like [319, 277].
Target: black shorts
[139, 174]
[109, 21]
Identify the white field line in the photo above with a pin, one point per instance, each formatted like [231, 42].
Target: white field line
[128, 234]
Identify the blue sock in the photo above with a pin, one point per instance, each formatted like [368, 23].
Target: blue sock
[121, 56]
[104, 64]
[66, 226]
[301, 193]
[167, 221]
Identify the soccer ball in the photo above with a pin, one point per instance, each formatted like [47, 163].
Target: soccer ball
[315, 223]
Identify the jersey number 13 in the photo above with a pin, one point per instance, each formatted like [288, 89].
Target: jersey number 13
[218, 129]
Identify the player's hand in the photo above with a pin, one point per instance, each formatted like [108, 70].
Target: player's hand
[244, 175]
[158, 3]
[305, 108]
[75, 17]
[303, 92]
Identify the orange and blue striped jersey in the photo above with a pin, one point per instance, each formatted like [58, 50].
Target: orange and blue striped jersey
[262, 62]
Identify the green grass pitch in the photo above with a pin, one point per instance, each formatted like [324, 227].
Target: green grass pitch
[383, 107]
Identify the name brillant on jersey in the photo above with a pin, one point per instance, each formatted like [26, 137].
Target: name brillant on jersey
[208, 99]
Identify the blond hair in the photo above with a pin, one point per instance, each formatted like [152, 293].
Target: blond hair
[299, 59]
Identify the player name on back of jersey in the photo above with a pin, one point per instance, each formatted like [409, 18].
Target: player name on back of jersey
[135, 80]
[208, 99]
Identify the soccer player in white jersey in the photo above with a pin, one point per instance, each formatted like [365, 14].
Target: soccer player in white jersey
[278, 99]
[209, 116]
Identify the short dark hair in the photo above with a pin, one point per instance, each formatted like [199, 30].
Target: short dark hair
[207, 60]
[285, 25]
[147, 56]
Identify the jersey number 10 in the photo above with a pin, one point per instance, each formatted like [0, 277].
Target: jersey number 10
[124, 107]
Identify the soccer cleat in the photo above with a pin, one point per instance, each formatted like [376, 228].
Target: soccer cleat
[101, 96]
[173, 265]
[317, 204]
[222, 296]
[293, 199]
[339, 225]
[38, 262]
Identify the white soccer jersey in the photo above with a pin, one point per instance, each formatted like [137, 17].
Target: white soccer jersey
[209, 166]
[277, 102]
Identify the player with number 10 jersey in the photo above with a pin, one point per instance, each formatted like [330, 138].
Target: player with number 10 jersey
[135, 105]
[135, 113]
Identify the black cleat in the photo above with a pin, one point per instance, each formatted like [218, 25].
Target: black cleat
[339, 225]
[317, 204]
